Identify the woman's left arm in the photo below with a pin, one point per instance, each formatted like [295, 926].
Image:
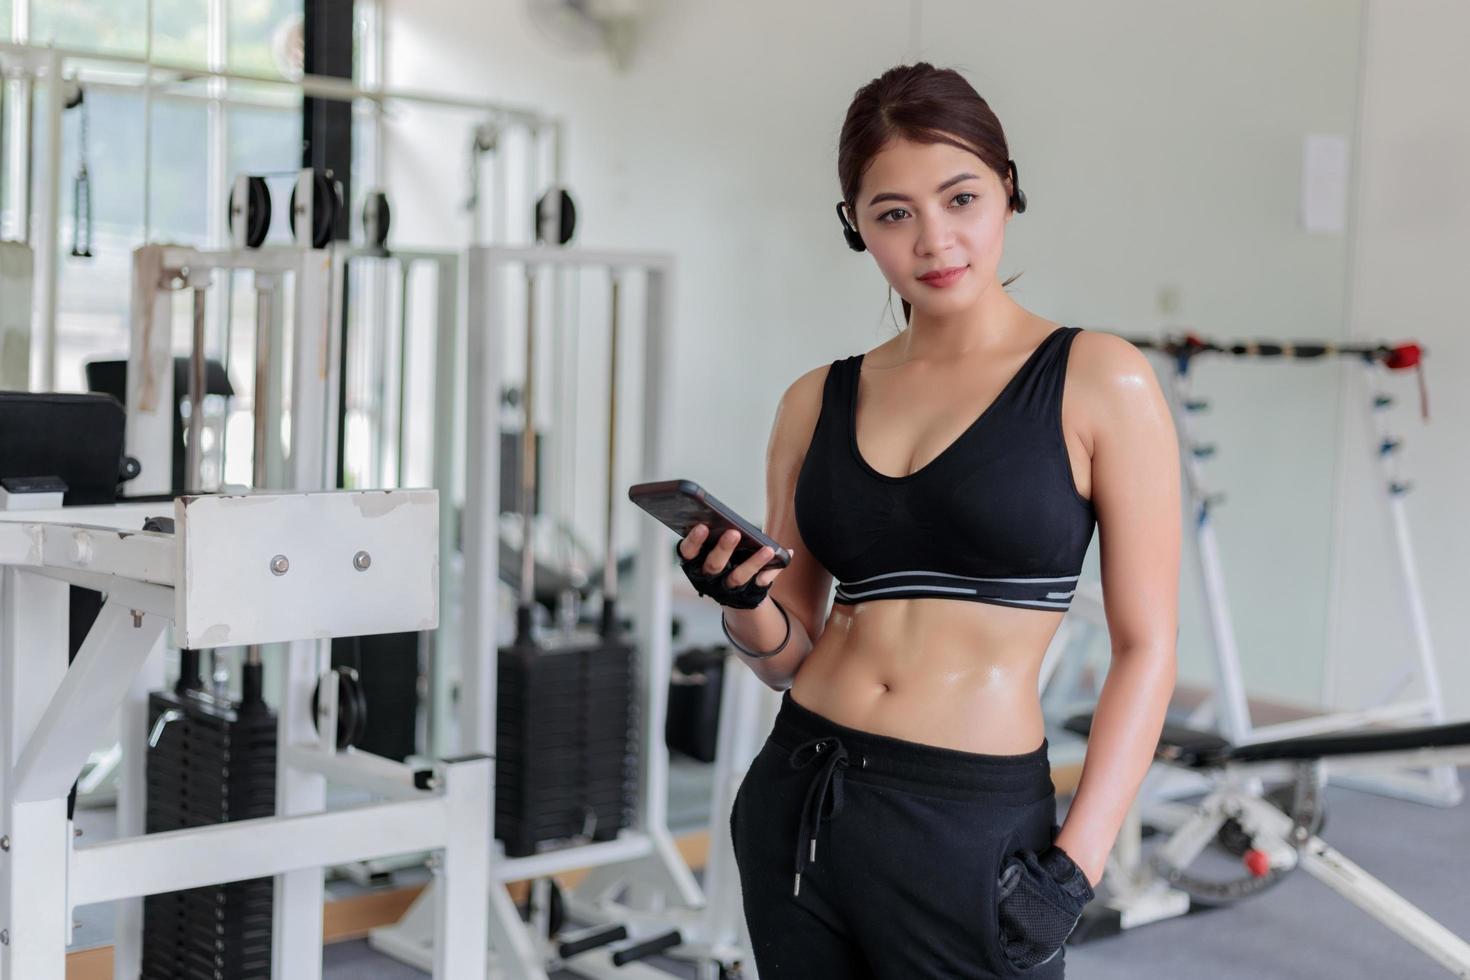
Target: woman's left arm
[1135, 494]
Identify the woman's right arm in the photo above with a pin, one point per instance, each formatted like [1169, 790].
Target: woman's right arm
[804, 587]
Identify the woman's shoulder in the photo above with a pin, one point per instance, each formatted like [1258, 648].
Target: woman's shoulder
[800, 407]
[803, 397]
[1099, 358]
[1108, 381]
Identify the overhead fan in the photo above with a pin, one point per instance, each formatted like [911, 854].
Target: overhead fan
[587, 26]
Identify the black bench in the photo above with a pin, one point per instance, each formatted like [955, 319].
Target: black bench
[1196, 749]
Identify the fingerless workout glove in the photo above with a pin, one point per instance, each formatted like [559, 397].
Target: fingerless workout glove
[747, 596]
[1040, 903]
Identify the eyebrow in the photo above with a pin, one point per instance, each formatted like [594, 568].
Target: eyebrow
[958, 178]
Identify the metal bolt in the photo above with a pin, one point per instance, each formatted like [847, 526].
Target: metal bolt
[137, 620]
[76, 832]
[279, 565]
[4, 843]
[4, 937]
[361, 561]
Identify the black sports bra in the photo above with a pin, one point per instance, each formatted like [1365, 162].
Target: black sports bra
[995, 517]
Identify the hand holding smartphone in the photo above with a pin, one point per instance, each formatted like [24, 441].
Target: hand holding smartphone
[696, 516]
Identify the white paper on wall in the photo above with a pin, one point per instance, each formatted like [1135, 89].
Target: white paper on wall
[1324, 183]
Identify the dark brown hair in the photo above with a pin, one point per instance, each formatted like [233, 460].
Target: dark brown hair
[923, 104]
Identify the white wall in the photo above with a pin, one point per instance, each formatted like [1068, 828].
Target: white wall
[1410, 253]
[1159, 147]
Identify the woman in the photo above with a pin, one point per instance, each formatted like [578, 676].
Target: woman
[951, 489]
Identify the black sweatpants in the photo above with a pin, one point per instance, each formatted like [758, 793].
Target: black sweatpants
[867, 856]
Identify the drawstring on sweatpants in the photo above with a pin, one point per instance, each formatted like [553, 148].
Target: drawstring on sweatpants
[812, 815]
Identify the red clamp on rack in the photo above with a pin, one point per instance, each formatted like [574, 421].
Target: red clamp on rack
[1406, 356]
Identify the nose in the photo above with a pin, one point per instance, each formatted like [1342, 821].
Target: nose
[935, 234]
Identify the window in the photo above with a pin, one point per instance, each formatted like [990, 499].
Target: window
[114, 28]
[267, 141]
[164, 174]
[92, 294]
[180, 32]
[266, 37]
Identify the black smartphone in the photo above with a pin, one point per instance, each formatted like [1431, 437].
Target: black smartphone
[681, 504]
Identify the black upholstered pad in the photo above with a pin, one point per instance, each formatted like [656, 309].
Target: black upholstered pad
[1178, 744]
[1200, 749]
[1355, 743]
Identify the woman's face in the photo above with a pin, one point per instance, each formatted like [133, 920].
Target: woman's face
[927, 208]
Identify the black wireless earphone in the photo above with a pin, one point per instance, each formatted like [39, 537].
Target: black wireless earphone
[1018, 196]
[855, 240]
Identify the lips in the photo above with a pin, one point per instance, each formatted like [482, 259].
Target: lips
[943, 277]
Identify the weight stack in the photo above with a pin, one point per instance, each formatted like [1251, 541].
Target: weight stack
[214, 764]
[566, 726]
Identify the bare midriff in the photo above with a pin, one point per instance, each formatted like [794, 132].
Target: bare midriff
[946, 672]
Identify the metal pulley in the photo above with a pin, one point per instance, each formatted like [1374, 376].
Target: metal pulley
[316, 200]
[249, 212]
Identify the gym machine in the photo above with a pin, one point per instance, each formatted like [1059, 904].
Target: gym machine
[1274, 832]
[640, 896]
[517, 144]
[31, 171]
[1228, 710]
[160, 272]
[304, 457]
[257, 569]
[384, 350]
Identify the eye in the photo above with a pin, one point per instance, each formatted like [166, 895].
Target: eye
[963, 199]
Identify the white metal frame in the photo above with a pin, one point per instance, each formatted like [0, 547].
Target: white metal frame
[392, 385]
[157, 79]
[52, 715]
[159, 272]
[1229, 708]
[44, 65]
[314, 360]
[438, 650]
[1137, 893]
[663, 891]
